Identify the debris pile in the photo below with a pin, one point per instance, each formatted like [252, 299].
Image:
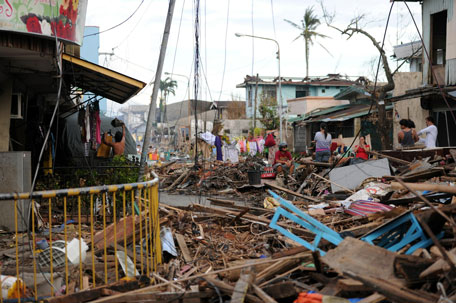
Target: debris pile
[328, 235]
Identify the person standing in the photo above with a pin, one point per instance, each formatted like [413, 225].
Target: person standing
[431, 133]
[322, 144]
[118, 146]
[407, 136]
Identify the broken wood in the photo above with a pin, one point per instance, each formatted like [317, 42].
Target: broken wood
[183, 247]
[242, 285]
[393, 159]
[286, 190]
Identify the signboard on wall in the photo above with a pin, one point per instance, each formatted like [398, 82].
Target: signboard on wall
[64, 18]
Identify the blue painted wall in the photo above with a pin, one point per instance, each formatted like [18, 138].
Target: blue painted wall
[288, 92]
[90, 52]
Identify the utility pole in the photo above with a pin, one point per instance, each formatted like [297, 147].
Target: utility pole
[153, 98]
[255, 103]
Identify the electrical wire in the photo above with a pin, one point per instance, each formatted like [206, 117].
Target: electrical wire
[134, 27]
[226, 38]
[117, 25]
[253, 39]
[373, 95]
[273, 19]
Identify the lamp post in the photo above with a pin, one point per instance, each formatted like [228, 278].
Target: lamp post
[188, 106]
[280, 79]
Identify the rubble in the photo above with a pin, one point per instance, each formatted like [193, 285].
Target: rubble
[389, 239]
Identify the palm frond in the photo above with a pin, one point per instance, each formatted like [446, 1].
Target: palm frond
[293, 24]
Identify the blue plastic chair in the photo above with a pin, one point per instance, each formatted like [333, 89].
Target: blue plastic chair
[393, 235]
[398, 233]
[308, 222]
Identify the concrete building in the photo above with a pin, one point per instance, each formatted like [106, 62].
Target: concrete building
[412, 52]
[292, 88]
[304, 105]
[90, 51]
[31, 84]
[439, 36]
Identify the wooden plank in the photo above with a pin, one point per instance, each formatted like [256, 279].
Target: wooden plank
[393, 291]
[374, 298]
[242, 285]
[424, 187]
[228, 289]
[184, 248]
[361, 257]
[351, 285]
[263, 295]
[393, 159]
[293, 193]
[120, 297]
[320, 164]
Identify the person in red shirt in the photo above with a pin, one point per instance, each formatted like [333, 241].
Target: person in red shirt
[283, 159]
[362, 149]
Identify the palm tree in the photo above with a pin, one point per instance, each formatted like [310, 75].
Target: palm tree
[308, 27]
[167, 86]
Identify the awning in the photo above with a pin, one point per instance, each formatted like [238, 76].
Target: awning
[100, 80]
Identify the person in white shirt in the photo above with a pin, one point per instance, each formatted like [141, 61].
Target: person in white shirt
[431, 133]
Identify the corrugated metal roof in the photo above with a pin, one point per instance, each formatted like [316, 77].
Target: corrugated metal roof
[349, 111]
[407, 50]
[318, 112]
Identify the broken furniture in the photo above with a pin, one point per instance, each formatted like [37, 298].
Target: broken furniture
[400, 232]
[393, 235]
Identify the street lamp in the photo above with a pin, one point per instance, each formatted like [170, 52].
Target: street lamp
[188, 106]
[280, 79]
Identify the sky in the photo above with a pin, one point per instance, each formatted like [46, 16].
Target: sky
[226, 59]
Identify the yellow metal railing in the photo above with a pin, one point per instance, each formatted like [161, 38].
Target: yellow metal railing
[127, 216]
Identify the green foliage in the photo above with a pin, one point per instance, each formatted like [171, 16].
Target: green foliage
[308, 29]
[119, 171]
[257, 132]
[268, 111]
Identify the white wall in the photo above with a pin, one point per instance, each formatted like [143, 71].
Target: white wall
[6, 90]
[410, 108]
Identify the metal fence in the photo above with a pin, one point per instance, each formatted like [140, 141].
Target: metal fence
[125, 217]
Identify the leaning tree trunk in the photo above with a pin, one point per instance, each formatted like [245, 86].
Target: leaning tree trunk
[384, 128]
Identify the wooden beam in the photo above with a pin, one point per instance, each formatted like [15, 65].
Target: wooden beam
[293, 193]
[184, 248]
[393, 159]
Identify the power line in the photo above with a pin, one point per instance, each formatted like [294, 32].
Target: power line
[142, 1]
[136, 25]
[253, 40]
[273, 19]
[226, 38]
[373, 93]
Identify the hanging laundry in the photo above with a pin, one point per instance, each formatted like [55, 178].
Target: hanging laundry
[98, 127]
[218, 147]
[231, 153]
[81, 122]
[208, 137]
[93, 129]
[87, 125]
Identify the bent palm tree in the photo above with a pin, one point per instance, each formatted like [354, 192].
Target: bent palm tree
[308, 27]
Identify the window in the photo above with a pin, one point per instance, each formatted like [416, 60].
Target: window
[270, 91]
[249, 96]
[245, 131]
[227, 131]
[301, 91]
[438, 38]
[323, 90]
